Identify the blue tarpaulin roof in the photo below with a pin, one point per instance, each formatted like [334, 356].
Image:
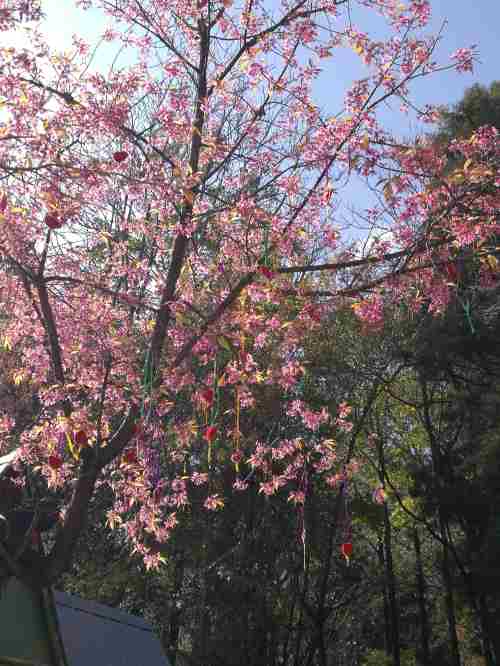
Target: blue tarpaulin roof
[96, 635]
[89, 633]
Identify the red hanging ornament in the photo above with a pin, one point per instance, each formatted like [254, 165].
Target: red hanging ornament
[313, 312]
[55, 461]
[451, 272]
[81, 438]
[266, 272]
[210, 434]
[120, 156]
[208, 396]
[346, 550]
[3, 203]
[130, 457]
[52, 221]
[136, 429]
[236, 457]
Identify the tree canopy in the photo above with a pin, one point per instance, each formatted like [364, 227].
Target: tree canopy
[170, 241]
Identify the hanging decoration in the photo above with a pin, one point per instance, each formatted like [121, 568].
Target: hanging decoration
[346, 545]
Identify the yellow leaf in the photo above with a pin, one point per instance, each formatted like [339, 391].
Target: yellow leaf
[458, 177]
[18, 377]
[73, 450]
[188, 197]
[492, 262]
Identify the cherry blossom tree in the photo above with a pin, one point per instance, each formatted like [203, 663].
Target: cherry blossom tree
[169, 238]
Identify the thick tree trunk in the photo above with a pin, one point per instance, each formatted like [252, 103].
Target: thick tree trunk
[289, 631]
[299, 634]
[491, 643]
[438, 471]
[389, 567]
[449, 601]
[391, 588]
[172, 637]
[387, 615]
[201, 648]
[424, 651]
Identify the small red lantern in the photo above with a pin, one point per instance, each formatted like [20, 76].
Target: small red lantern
[55, 461]
[266, 272]
[237, 457]
[120, 156]
[130, 457]
[136, 429]
[3, 203]
[211, 433]
[53, 222]
[313, 313]
[451, 272]
[208, 396]
[81, 438]
[346, 550]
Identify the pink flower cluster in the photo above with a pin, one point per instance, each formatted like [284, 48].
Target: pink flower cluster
[464, 59]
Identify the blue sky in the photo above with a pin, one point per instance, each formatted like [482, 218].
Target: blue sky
[467, 22]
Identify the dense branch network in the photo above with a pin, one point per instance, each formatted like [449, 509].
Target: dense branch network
[173, 228]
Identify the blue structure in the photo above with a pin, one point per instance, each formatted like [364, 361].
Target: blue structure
[51, 628]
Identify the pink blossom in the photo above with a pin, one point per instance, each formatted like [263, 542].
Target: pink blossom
[345, 426]
[236, 456]
[371, 311]
[464, 59]
[313, 420]
[239, 484]
[178, 485]
[199, 478]
[213, 502]
[379, 495]
[272, 486]
[296, 497]
[344, 410]
[335, 479]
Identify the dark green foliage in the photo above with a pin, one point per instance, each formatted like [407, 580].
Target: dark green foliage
[479, 106]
